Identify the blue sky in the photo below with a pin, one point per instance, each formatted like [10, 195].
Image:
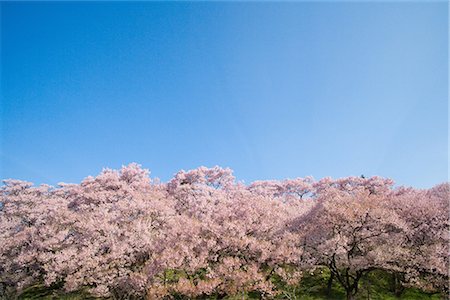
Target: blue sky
[271, 90]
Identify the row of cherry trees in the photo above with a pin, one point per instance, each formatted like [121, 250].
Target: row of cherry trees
[122, 235]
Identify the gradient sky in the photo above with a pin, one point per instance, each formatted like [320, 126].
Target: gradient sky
[271, 90]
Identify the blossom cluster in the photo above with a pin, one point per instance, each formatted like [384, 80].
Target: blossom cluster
[122, 235]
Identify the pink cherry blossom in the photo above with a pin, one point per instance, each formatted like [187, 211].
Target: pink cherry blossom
[121, 234]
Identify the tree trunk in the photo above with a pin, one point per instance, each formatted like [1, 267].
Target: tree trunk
[221, 295]
[352, 289]
[330, 283]
[350, 295]
[398, 287]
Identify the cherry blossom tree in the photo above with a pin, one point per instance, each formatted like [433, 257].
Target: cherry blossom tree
[424, 261]
[98, 234]
[28, 219]
[122, 235]
[350, 230]
[237, 230]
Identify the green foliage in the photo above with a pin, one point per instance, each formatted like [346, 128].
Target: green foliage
[40, 291]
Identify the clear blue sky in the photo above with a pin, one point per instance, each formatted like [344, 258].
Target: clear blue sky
[271, 90]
